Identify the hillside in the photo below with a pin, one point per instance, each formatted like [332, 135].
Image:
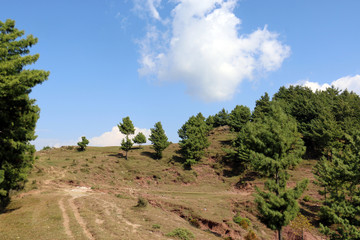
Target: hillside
[93, 195]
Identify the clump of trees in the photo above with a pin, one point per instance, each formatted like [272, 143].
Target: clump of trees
[18, 112]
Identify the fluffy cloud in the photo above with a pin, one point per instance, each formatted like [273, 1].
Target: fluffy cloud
[114, 137]
[351, 83]
[201, 46]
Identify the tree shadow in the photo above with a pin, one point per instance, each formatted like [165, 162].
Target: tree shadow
[311, 212]
[8, 210]
[243, 181]
[148, 154]
[226, 142]
[118, 155]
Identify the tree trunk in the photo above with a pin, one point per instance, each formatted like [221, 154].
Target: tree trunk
[279, 234]
[126, 155]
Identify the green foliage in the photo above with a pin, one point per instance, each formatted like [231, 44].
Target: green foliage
[301, 224]
[126, 145]
[158, 139]
[18, 113]
[126, 127]
[340, 177]
[83, 144]
[181, 233]
[221, 118]
[242, 222]
[139, 138]
[238, 117]
[278, 206]
[156, 226]
[194, 140]
[46, 148]
[274, 143]
[262, 107]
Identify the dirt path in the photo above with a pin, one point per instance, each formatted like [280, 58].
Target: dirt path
[65, 219]
[79, 219]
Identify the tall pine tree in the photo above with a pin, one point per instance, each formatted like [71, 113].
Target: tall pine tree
[274, 145]
[18, 113]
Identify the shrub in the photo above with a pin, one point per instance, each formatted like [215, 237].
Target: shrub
[251, 236]
[156, 226]
[307, 198]
[181, 233]
[242, 222]
[142, 202]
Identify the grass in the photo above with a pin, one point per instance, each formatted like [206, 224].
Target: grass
[196, 200]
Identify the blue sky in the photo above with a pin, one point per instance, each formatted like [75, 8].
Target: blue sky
[157, 60]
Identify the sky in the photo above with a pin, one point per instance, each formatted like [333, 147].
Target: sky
[166, 60]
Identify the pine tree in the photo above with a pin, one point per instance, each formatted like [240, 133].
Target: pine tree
[341, 210]
[127, 128]
[82, 145]
[18, 113]
[139, 139]
[194, 140]
[238, 117]
[274, 145]
[158, 139]
[262, 107]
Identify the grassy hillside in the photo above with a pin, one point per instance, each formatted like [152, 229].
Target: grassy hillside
[93, 195]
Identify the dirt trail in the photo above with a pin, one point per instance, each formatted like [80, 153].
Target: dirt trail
[66, 219]
[79, 219]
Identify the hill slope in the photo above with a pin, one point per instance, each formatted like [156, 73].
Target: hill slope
[93, 194]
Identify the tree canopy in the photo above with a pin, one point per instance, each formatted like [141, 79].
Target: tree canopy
[18, 113]
[158, 139]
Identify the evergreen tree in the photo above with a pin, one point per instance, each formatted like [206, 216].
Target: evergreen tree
[18, 113]
[158, 139]
[194, 140]
[238, 117]
[341, 210]
[262, 107]
[275, 145]
[126, 145]
[221, 118]
[127, 128]
[83, 144]
[139, 139]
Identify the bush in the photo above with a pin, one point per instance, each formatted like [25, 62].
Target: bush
[307, 198]
[242, 222]
[251, 236]
[181, 233]
[156, 226]
[142, 202]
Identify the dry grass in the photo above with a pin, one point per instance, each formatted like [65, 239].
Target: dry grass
[92, 194]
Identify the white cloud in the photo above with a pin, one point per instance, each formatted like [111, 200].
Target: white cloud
[114, 137]
[202, 47]
[351, 83]
[150, 6]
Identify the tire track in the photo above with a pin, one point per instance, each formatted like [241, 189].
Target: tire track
[65, 219]
[79, 219]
